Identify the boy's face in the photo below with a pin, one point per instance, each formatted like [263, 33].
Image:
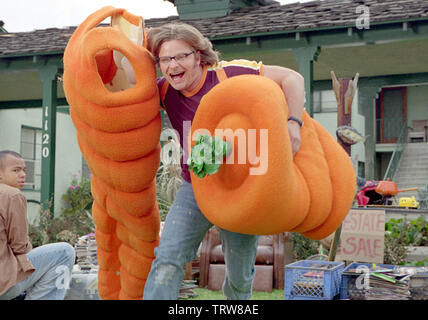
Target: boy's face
[12, 172]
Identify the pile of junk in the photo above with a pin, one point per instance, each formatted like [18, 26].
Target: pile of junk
[382, 193]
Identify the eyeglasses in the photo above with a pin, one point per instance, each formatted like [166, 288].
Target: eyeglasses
[179, 58]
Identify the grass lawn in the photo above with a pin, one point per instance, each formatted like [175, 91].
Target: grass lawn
[205, 294]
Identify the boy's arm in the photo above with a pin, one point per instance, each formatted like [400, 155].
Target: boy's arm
[17, 230]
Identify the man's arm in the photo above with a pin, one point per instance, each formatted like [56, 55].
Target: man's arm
[293, 86]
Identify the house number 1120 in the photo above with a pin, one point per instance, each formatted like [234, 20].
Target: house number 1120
[45, 137]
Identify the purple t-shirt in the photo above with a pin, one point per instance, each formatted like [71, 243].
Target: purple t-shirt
[181, 109]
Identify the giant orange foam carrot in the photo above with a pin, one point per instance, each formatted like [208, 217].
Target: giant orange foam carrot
[310, 193]
[118, 129]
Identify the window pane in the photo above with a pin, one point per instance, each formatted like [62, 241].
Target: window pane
[27, 150]
[37, 167]
[39, 136]
[28, 185]
[328, 101]
[31, 151]
[27, 135]
[37, 182]
[38, 144]
[29, 171]
[38, 154]
[317, 101]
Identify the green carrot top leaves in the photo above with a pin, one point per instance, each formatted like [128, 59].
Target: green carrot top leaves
[207, 155]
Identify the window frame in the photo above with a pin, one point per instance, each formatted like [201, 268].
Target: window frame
[318, 102]
[32, 186]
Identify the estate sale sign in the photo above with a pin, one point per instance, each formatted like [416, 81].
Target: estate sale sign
[363, 236]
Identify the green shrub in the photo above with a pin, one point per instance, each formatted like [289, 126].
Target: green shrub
[410, 233]
[74, 221]
[395, 251]
[168, 180]
[400, 233]
[304, 247]
[77, 213]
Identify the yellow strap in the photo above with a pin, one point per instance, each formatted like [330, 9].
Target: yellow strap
[221, 74]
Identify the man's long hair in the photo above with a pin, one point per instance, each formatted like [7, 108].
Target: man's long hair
[181, 31]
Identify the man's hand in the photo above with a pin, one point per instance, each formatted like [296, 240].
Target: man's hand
[295, 138]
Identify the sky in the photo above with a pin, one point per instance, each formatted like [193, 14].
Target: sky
[29, 15]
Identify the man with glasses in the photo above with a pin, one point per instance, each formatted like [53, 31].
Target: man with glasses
[190, 68]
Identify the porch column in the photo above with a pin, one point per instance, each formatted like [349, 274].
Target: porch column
[305, 57]
[367, 108]
[48, 75]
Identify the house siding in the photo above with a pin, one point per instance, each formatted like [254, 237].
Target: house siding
[68, 155]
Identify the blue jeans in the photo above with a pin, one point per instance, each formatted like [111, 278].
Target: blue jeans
[184, 229]
[53, 263]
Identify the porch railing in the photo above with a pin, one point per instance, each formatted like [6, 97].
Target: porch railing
[423, 197]
[398, 151]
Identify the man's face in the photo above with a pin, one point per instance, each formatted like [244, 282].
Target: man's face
[185, 74]
[12, 172]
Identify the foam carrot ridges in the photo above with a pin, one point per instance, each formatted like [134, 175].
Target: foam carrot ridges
[309, 193]
[252, 194]
[118, 130]
[312, 163]
[84, 48]
[120, 146]
[342, 176]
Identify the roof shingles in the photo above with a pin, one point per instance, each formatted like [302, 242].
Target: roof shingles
[254, 20]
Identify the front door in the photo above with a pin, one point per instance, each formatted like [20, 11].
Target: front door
[390, 114]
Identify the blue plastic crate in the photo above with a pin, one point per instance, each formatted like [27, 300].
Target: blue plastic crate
[312, 280]
[349, 288]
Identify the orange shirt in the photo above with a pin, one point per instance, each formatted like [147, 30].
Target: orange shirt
[14, 240]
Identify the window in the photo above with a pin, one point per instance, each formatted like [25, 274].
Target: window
[31, 143]
[325, 101]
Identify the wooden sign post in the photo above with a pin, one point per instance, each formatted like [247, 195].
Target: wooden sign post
[344, 89]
